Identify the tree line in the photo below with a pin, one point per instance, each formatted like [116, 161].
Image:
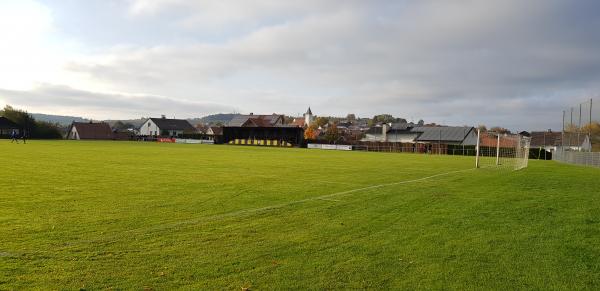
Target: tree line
[29, 126]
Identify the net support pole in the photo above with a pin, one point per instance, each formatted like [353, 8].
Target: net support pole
[590, 125]
[477, 149]
[562, 138]
[498, 151]
[579, 143]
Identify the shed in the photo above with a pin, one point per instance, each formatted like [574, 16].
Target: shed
[7, 126]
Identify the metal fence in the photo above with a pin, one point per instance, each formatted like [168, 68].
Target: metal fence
[591, 159]
[580, 136]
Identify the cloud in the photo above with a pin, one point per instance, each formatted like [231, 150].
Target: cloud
[504, 62]
[510, 63]
[23, 29]
[69, 101]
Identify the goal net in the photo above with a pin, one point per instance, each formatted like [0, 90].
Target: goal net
[505, 151]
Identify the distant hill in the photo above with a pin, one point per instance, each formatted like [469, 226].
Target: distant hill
[60, 119]
[222, 118]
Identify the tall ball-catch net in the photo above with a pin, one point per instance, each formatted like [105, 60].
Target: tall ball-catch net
[504, 151]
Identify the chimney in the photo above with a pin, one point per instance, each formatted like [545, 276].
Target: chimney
[384, 129]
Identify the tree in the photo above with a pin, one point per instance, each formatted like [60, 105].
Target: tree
[120, 125]
[310, 133]
[500, 130]
[332, 134]
[593, 129]
[482, 127]
[25, 121]
[47, 130]
[383, 118]
[321, 121]
[351, 117]
[31, 127]
[421, 122]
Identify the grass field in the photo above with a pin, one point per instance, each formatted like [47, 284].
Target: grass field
[96, 215]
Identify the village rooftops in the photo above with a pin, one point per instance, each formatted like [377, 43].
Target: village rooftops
[257, 121]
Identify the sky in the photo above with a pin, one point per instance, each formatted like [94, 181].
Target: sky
[510, 63]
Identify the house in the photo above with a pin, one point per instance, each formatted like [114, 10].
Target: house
[545, 140]
[89, 131]
[7, 126]
[553, 141]
[544, 144]
[201, 128]
[572, 141]
[402, 132]
[376, 133]
[395, 132]
[215, 133]
[166, 127]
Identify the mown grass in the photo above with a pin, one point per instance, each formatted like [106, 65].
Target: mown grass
[98, 215]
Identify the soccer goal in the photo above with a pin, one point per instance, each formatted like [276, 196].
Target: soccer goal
[505, 151]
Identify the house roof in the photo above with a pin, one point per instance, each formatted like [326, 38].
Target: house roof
[400, 126]
[300, 122]
[545, 138]
[257, 120]
[87, 130]
[201, 128]
[442, 133]
[491, 140]
[375, 130]
[217, 130]
[572, 139]
[173, 124]
[6, 123]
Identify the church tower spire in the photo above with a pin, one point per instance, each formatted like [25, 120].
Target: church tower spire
[308, 117]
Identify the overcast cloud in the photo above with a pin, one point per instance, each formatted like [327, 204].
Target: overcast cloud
[512, 63]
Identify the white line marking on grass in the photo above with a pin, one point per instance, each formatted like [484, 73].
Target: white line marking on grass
[334, 200]
[277, 206]
[167, 226]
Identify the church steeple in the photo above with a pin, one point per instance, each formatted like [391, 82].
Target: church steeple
[308, 117]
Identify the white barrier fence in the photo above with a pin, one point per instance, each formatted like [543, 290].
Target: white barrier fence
[591, 159]
[330, 147]
[194, 141]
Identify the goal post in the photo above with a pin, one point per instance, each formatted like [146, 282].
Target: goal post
[502, 150]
